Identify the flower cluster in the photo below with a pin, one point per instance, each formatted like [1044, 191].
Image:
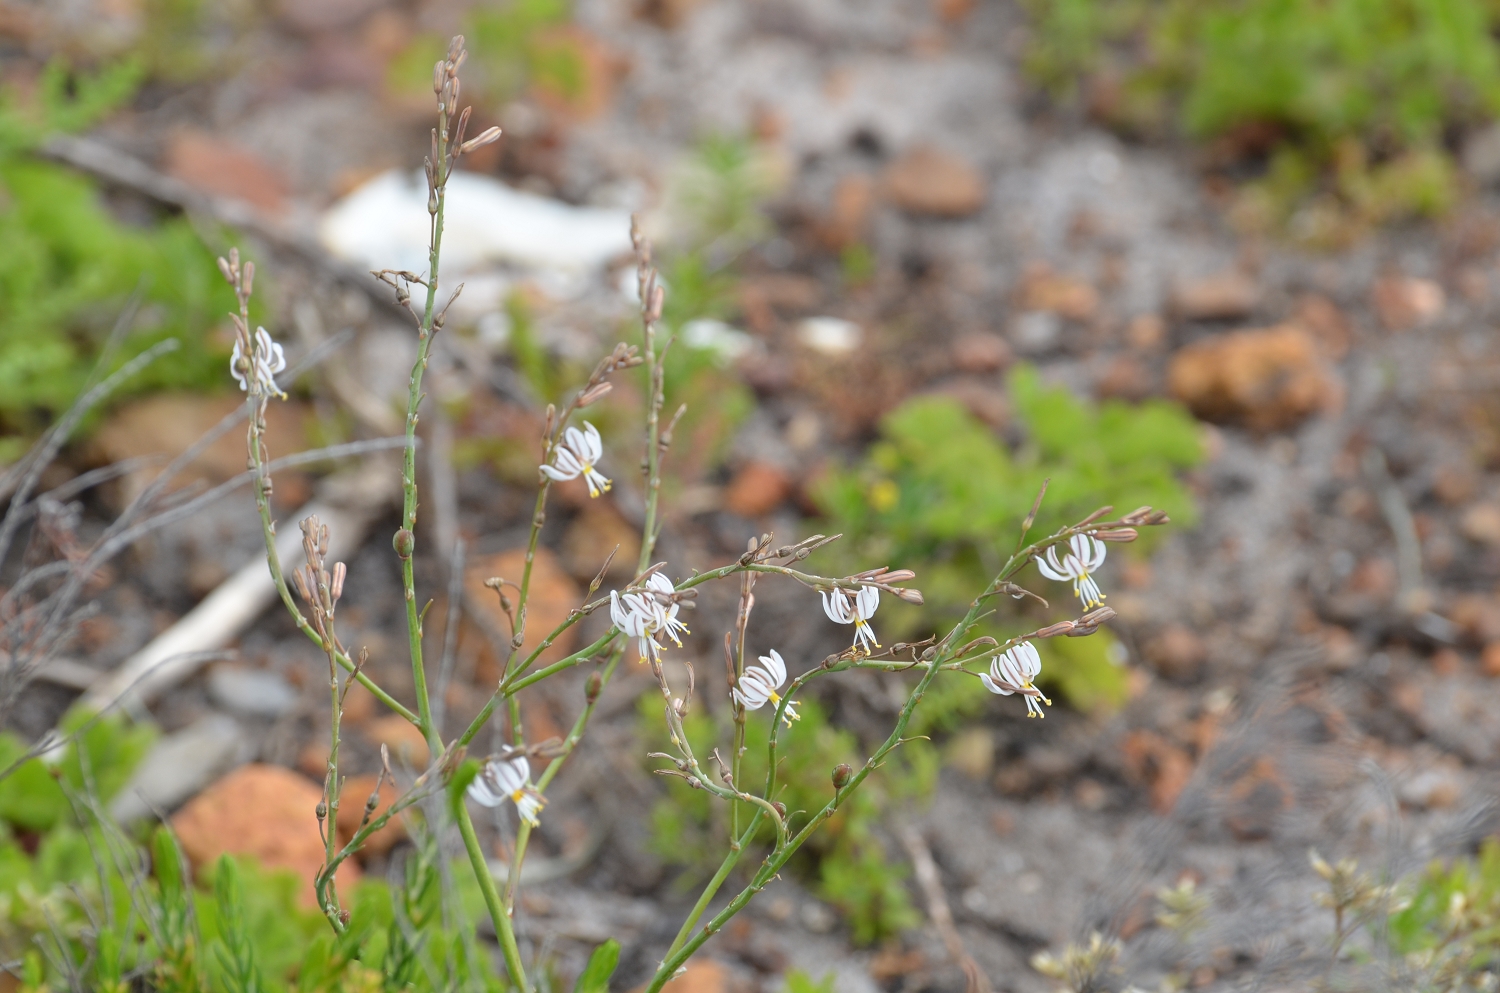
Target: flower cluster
[843, 607]
[1086, 557]
[759, 684]
[1014, 671]
[577, 455]
[648, 613]
[504, 779]
[267, 361]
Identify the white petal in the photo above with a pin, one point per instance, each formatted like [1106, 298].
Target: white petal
[573, 438]
[993, 686]
[866, 600]
[1049, 567]
[836, 607]
[660, 583]
[775, 667]
[592, 447]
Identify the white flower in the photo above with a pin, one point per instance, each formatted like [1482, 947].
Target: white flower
[508, 779]
[668, 611]
[579, 453]
[836, 605]
[759, 685]
[638, 616]
[268, 360]
[1085, 558]
[1015, 671]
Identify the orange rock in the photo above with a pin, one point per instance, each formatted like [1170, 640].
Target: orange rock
[265, 812]
[1224, 296]
[1267, 379]
[1162, 766]
[1065, 296]
[591, 535]
[221, 168]
[553, 595]
[1404, 303]
[401, 737]
[167, 423]
[757, 489]
[352, 799]
[1146, 332]
[1490, 660]
[935, 183]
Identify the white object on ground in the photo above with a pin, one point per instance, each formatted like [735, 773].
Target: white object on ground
[727, 343]
[250, 692]
[829, 335]
[180, 765]
[385, 224]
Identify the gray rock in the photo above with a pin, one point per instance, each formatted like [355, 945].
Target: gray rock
[180, 765]
[250, 692]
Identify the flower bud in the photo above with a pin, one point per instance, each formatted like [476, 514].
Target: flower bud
[1121, 535]
[1056, 630]
[344, 917]
[780, 808]
[595, 394]
[910, 595]
[485, 137]
[592, 688]
[322, 810]
[842, 773]
[404, 542]
[1138, 515]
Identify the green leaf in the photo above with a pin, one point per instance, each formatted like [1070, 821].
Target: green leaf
[462, 777]
[595, 975]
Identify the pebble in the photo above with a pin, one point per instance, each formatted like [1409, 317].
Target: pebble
[757, 489]
[1268, 379]
[935, 183]
[832, 336]
[250, 692]
[1224, 296]
[179, 765]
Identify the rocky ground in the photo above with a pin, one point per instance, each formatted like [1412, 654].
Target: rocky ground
[1315, 661]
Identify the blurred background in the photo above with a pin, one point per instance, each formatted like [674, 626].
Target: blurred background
[1236, 259]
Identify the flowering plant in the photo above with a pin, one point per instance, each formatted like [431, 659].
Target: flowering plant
[646, 611]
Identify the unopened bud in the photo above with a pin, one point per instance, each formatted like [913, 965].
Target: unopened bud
[658, 297]
[373, 802]
[780, 808]
[439, 72]
[322, 810]
[592, 688]
[1137, 516]
[487, 137]
[339, 572]
[344, 917]
[1057, 630]
[595, 394]
[249, 283]
[226, 271]
[404, 542]
[842, 773]
[1117, 534]
[1089, 623]
[910, 595]
[899, 576]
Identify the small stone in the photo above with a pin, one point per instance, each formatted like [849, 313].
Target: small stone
[1146, 332]
[1125, 378]
[831, 336]
[250, 692]
[972, 753]
[1481, 523]
[849, 216]
[1036, 331]
[1224, 296]
[1268, 379]
[553, 595]
[1326, 323]
[1065, 296]
[981, 352]
[1177, 653]
[1480, 154]
[265, 812]
[591, 536]
[1404, 303]
[352, 799]
[934, 183]
[218, 167]
[757, 489]
[180, 765]
[401, 737]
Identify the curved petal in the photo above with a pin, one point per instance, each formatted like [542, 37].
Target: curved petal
[866, 600]
[592, 447]
[1029, 660]
[993, 686]
[660, 583]
[774, 667]
[836, 607]
[1050, 567]
[480, 792]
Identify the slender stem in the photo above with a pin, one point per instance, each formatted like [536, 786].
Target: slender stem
[736, 849]
[489, 708]
[503, 929]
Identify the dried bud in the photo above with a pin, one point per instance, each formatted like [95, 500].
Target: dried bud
[248, 285]
[439, 73]
[910, 595]
[339, 572]
[658, 297]
[1159, 517]
[592, 688]
[486, 137]
[1057, 630]
[226, 271]
[842, 773]
[322, 810]
[780, 808]
[300, 581]
[899, 576]
[1089, 623]
[594, 394]
[404, 542]
[1121, 535]
[1137, 516]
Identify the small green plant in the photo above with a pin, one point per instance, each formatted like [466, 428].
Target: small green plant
[1447, 927]
[939, 485]
[1355, 96]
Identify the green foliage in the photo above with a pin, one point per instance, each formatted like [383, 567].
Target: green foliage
[601, 966]
[512, 44]
[68, 267]
[1450, 923]
[1386, 77]
[847, 859]
[35, 797]
[798, 981]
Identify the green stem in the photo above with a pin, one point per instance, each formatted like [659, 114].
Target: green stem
[567, 663]
[736, 849]
[503, 929]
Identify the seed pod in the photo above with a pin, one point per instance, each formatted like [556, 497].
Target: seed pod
[592, 688]
[841, 775]
[780, 808]
[404, 542]
[322, 810]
